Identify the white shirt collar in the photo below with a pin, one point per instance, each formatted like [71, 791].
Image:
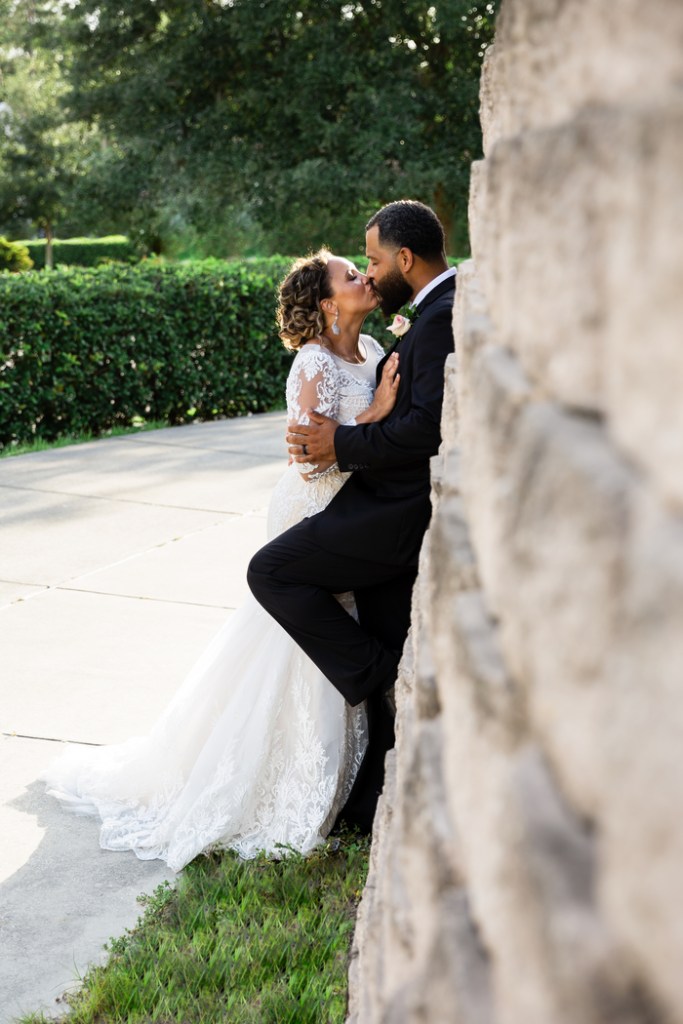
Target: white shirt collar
[432, 284]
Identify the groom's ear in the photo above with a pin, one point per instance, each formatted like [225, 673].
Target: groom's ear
[405, 260]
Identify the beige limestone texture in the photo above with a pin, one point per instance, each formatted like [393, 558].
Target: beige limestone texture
[644, 296]
[562, 554]
[642, 838]
[579, 255]
[493, 392]
[449, 421]
[553, 58]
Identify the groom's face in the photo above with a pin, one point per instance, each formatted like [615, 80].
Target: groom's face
[385, 274]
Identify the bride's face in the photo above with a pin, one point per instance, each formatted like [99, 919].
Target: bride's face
[352, 292]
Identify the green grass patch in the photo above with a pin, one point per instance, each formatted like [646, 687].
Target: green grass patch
[255, 942]
[40, 445]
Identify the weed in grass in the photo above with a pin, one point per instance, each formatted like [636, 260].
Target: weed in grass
[243, 942]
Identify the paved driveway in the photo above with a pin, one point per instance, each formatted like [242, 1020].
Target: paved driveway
[119, 559]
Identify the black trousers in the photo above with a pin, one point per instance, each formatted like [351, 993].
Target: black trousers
[295, 578]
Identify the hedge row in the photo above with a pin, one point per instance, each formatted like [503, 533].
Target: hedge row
[86, 350]
[82, 252]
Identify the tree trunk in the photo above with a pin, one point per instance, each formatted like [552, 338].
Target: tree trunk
[49, 254]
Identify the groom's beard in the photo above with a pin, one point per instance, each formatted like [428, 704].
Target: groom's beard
[393, 292]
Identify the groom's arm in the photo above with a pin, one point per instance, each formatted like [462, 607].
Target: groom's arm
[417, 433]
[400, 439]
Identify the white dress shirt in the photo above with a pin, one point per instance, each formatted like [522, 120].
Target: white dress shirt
[432, 284]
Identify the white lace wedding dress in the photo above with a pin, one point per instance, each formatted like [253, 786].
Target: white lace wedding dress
[257, 751]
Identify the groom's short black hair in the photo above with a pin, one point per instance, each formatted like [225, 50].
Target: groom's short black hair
[410, 224]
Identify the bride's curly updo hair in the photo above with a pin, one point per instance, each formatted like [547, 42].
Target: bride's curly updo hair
[299, 313]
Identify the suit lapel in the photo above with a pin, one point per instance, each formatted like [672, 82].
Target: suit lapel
[441, 289]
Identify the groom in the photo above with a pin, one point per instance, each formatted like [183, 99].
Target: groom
[368, 538]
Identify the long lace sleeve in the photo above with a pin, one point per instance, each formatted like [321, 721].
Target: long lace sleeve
[312, 384]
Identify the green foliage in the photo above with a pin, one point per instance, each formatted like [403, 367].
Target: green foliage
[82, 252]
[257, 942]
[297, 121]
[87, 350]
[42, 150]
[14, 256]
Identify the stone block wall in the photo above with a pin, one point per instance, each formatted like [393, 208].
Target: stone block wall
[527, 861]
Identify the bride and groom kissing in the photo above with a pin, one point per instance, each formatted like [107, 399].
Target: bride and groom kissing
[280, 730]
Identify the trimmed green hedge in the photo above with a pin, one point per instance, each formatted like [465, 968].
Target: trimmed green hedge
[82, 252]
[86, 350]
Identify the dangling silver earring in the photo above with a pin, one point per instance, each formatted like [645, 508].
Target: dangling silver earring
[336, 329]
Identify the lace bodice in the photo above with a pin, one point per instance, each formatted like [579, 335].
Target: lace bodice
[323, 381]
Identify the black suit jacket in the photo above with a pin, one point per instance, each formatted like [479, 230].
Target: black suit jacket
[383, 509]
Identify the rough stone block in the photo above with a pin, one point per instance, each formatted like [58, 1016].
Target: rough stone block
[555, 57]
[484, 232]
[471, 324]
[449, 415]
[470, 668]
[414, 867]
[436, 474]
[481, 733]
[453, 986]
[562, 545]
[640, 823]
[427, 860]
[416, 694]
[493, 391]
[552, 199]
[550, 890]
[490, 96]
[452, 564]
[574, 214]
[368, 951]
[427, 703]
[644, 295]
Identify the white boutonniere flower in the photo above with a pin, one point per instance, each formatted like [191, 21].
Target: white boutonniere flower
[400, 325]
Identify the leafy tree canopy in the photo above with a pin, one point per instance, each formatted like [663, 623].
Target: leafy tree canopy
[273, 124]
[43, 150]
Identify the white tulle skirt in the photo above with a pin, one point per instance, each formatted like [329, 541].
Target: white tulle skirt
[256, 752]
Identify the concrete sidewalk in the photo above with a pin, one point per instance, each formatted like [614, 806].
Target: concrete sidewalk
[119, 559]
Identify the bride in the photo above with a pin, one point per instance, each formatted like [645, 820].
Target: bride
[256, 751]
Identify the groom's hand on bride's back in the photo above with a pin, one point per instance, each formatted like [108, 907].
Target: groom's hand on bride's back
[317, 437]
